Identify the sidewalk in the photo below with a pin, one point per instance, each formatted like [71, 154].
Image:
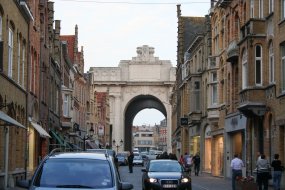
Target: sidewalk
[208, 182]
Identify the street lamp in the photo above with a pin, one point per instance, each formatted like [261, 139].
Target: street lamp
[87, 136]
[118, 145]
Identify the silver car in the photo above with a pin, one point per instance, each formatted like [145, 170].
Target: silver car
[76, 170]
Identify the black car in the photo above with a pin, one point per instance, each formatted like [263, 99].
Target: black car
[165, 174]
[76, 170]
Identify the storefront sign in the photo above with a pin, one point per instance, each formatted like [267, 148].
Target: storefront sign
[184, 121]
[235, 122]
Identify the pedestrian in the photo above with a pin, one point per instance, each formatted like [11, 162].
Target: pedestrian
[164, 155]
[277, 171]
[236, 165]
[262, 168]
[172, 156]
[181, 160]
[188, 162]
[130, 161]
[196, 160]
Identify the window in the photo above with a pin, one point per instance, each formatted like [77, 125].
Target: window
[65, 105]
[197, 96]
[283, 67]
[10, 52]
[271, 64]
[214, 88]
[252, 9]
[0, 28]
[216, 38]
[283, 10]
[19, 61]
[260, 5]
[271, 6]
[244, 70]
[258, 65]
[56, 99]
[23, 65]
[34, 73]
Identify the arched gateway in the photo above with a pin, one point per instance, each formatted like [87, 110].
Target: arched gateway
[143, 82]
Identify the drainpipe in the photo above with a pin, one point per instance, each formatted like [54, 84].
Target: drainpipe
[27, 99]
[6, 164]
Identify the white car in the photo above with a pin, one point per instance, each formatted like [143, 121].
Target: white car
[138, 160]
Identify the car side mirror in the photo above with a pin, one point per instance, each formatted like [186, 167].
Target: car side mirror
[144, 170]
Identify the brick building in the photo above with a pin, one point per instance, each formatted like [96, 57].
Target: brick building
[242, 86]
[14, 37]
[37, 133]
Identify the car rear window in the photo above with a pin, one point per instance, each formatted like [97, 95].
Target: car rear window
[165, 166]
[75, 173]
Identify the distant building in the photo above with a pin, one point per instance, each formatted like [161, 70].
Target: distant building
[149, 137]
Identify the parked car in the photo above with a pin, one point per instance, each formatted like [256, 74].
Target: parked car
[138, 160]
[76, 170]
[122, 158]
[165, 174]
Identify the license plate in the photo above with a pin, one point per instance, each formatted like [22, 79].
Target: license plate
[169, 186]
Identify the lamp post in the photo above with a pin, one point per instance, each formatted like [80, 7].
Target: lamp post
[87, 136]
[118, 145]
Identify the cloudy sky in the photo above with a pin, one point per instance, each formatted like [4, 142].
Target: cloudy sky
[111, 30]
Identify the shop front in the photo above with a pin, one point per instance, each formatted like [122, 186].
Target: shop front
[235, 125]
[218, 153]
[194, 139]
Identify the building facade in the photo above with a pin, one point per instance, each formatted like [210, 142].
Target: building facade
[242, 86]
[15, 18]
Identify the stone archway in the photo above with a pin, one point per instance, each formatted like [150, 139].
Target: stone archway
[136, 105]
[143, 82]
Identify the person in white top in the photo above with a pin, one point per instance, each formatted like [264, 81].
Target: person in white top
[236, 165]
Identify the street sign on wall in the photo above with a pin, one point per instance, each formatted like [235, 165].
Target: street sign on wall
[184, 121]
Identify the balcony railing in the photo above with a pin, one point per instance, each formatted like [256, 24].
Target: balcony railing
[233, 52]
[253, 27]
[252, 95]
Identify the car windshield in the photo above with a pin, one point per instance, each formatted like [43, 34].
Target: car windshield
[75, 173]
[165, 166]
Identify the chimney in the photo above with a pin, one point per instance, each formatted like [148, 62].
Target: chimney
[178, 10]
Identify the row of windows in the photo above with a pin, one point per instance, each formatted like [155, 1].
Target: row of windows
[260, 5]
[19, 76]
[259, 69]
[144, 142]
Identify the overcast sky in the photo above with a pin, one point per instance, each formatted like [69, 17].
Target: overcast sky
[110, 31]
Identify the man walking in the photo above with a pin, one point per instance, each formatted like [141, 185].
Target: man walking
[130, 161]
[196, 161]
[236, 165]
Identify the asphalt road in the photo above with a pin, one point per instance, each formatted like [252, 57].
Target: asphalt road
[202, 182]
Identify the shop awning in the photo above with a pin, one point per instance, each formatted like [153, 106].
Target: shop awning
[40, 129]
[9, 121]
[60, 139]
[91, 144]
[57, 138]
